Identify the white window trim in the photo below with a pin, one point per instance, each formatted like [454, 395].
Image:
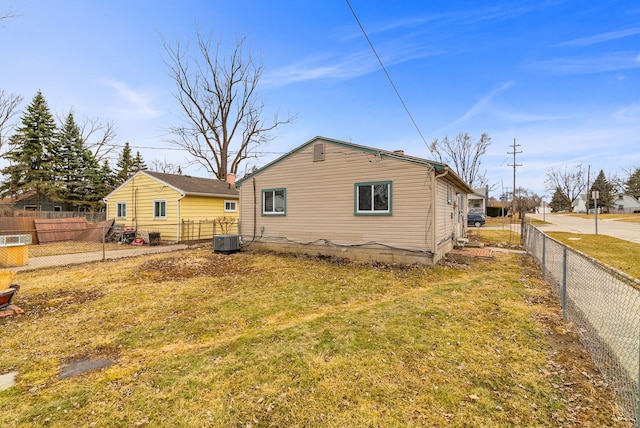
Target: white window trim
[158, 217]
[235, 204]
[118, 204]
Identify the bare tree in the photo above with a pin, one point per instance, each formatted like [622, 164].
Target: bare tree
[98, 137]
[569, 183]
[465, 155]
[8, 109]
[165, 167]
[222, 117]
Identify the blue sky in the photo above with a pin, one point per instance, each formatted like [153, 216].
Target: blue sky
[561, 77]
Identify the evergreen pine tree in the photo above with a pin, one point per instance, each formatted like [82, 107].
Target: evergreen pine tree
[632, 185]
[70, 164]
[138, 163]
[31, 158]
[124, 165]
[559, 202]
[94, 186]
[605, 190]
[107, 177]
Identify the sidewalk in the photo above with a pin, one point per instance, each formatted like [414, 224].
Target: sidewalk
[79, 258]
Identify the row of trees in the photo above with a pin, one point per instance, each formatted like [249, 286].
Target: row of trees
[54, 161]
[567, 185]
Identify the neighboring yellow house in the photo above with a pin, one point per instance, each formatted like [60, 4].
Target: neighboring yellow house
[179, 207]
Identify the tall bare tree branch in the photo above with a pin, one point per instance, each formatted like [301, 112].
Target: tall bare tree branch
[569, 183]
[98, 137]
[464, 154]
[222, 117]
[8, 109]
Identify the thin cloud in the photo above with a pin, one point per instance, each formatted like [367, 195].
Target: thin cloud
[328, 66]
[137, 102]
[478, 107]
[321, 67]
[630, 113]
[590, 64]
[599, 38]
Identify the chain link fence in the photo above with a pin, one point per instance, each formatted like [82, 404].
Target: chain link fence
[64, 243]
[604, 304]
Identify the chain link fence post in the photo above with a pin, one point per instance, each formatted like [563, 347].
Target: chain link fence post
[564, 283]
[544, 253]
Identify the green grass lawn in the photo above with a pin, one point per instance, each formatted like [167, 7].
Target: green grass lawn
[256, 340]
[617, 253]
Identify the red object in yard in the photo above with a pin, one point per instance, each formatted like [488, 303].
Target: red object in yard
[138, 241]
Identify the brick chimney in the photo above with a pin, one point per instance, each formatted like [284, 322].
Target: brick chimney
[231, 179]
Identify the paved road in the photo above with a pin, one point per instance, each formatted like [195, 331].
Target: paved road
[569, 223]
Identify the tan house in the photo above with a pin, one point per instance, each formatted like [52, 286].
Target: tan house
[335, 198]
[179, 207]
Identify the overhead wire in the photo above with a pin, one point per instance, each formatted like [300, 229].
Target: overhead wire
[387, 74]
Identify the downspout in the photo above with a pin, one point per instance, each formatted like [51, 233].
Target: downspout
[178, 219]
[255, 212]
[434, 201]
[135, 208]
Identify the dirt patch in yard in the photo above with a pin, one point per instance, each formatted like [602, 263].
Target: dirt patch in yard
[49, 302]
[180, 268]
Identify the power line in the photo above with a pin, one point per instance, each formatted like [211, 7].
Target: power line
[388, 75]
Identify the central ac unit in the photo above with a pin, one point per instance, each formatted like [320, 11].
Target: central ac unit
[226, 244]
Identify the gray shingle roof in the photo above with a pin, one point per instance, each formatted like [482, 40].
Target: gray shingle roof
[196, 185]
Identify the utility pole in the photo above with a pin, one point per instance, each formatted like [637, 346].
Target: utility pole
[588, 189]
[515, 165]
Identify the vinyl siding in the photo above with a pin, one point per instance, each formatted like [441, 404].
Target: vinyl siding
[202, 208]
[320, 200]
[140, 193]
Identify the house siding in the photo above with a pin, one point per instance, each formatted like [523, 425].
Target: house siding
[203, 209]
[320, 201]
[140, 193]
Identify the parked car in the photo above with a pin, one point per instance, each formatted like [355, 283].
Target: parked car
[476, 220]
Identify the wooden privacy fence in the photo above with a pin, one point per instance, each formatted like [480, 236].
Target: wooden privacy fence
[92, 217]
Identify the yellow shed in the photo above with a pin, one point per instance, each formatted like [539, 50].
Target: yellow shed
[178, 207]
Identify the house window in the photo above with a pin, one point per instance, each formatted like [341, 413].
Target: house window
[160, 209]
[230, 206]
[373, 198]
[121, 210]
[57, 208]
[449, 195]
[273, 201]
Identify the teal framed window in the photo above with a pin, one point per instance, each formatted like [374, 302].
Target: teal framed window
[372, 198]
[274, 202]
